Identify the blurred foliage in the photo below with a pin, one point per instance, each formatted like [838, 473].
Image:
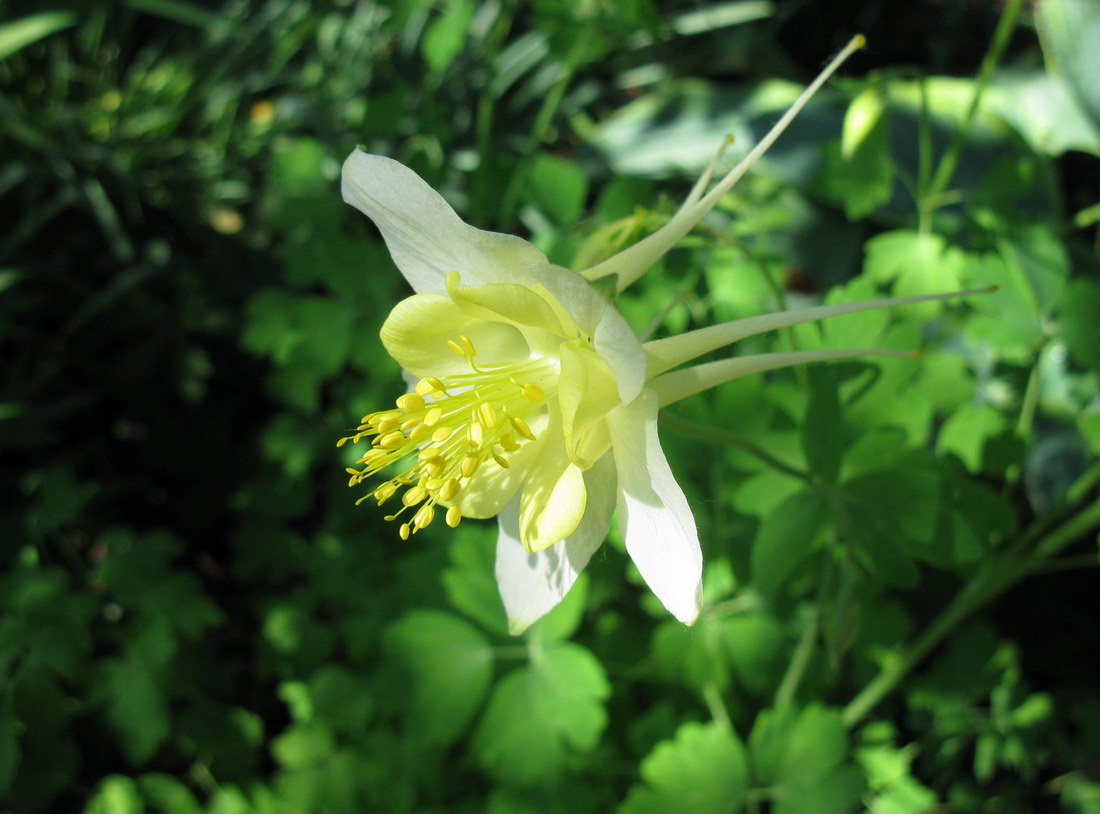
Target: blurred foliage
[195, 618]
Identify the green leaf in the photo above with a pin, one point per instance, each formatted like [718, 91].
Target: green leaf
[542, 717]
[824, 435]
[918, 263]
[303, 745]
[18, 34]
[859, 171]
[801, 756]
[136, 706]
[116, 795]
[753, 643]
[9, 741]
[785, 539]
[446, 35]
[1079, 321]
[966, 431]
[863, 116]
[469, 583]
[702, 770]
[450, 662]
[558, 188]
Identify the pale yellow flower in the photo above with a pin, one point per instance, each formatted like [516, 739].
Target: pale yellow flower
[534, 402]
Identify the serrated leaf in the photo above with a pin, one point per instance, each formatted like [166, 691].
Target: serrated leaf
[918, 263]
[801, 756]
[543, 716]
[450, 662]
[966, 431]
[753, 643]
[702, 770]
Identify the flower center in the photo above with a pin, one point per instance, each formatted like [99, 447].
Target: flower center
[440, 434]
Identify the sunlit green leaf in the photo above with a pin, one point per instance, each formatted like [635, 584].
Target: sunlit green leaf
[544, 716]
[702, 770]
[450, 663]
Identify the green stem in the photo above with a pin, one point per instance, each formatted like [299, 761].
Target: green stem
[990, 582]
[543, 119]
[950, 161]
[800, 660]
[690, 429]
[717, 708]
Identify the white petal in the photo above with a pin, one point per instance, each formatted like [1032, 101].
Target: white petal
[656, 522]
[533, 584]
[425, 237]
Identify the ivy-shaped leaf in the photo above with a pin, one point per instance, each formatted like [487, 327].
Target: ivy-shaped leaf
[543, 716]
[451, 664]
[702, 770]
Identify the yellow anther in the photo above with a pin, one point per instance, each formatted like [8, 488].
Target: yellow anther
[457, 348]
[508, 441]
[469, 465]
[532, 392]
[414, 495]
[429, 385]
[474, 434]
[341, 442]
[392, 440]
[351, 471]
[411, 402]
[449, 489]
[384, 492]
[434, 484]
[408, 424]
[423, 518]
[454, 515]
[388, 425]
[404, 531]
[500, 459]
[374, 457]
[467, 346]
[419, 432]
[436, 466]
[488, 414]
[522, 428]
[442, 434]
[360, 500]
[428, 453]
[433, 416]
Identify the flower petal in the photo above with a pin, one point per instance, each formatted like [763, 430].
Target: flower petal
[494, 485]
[654, 516]
[415, 334]
[533, 583]
[425, 237]
[554, 495]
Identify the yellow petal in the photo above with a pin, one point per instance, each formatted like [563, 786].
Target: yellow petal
[553, 499]
[587, 392]
[416, 332]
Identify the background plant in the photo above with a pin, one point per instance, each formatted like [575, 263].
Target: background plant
[901, 553]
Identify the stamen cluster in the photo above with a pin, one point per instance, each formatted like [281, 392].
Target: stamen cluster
[440, 434]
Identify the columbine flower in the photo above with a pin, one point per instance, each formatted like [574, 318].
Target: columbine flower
[534, 401]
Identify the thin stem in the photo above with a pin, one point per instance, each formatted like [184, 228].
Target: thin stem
[990, 582]
[543, 119]
[691, 429]
[950, 161]
[800, 660]
[716, 706]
